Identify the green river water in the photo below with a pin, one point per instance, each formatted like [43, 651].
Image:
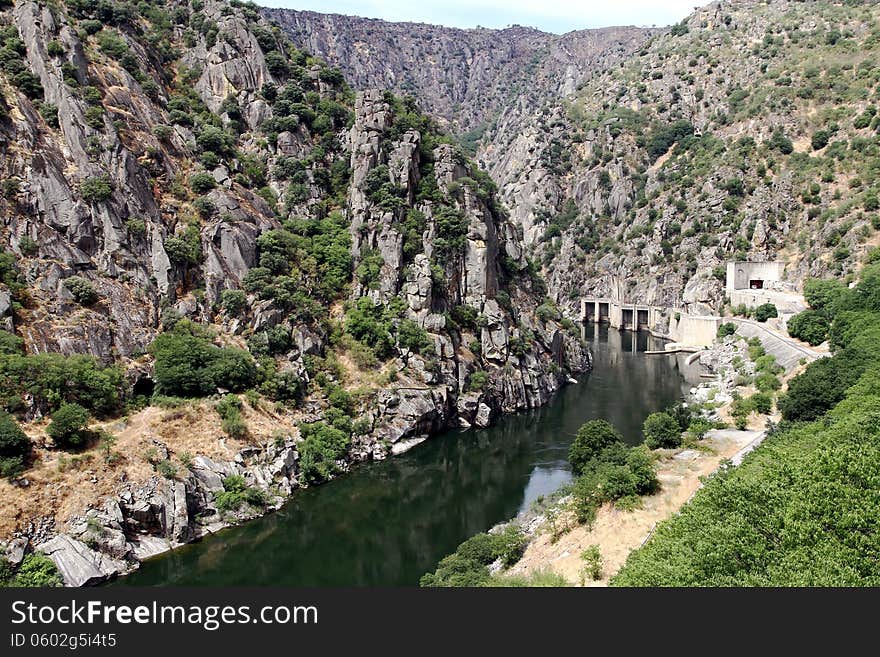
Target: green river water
[387, 523]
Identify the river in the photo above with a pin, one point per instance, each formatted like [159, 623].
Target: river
[387, 523]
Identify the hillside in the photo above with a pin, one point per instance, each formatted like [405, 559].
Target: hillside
[194, 206]
[746, 131]
[466, 78]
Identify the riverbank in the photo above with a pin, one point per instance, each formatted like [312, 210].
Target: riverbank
[172, 476]
[616, 532]
[557, 545]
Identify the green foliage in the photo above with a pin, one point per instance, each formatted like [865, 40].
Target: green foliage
[821, 386]
[96, 189]
[728, 328]
[321, 447]
[189, 365]
[369, 268]
[185, 248]
[69, 426]
[412, 337]
[593, 563]
[662, 137]
[202, 182]
[10, 343]
[305, 262]
[37, 571]
[591, 439]
[661, 430]
[81, 289]
[229, 410]
[477, 381]
[765, 311]
[779, 142]
[236, 493]
[234, 302]
[373, 325]
[111, 44]
[51, 379]
[767, 382]
[468, 565]
[15, 446]
[822, 294]
[811, 326]
[616, 472]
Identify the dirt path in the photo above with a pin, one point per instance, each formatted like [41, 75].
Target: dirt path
[617, 532]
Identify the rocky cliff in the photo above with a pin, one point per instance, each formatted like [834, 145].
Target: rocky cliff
[636, 163]
[186, 165]
[745, 132]
[466, 78]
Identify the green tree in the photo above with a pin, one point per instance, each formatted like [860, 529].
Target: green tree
[765, 311]
[15, 446]
[810, 326]
[69, 426]
[591, 439]
[661, 430]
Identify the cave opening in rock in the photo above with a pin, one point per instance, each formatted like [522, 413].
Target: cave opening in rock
[143, 387]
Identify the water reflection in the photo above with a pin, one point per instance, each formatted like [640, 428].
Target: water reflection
[387, 523]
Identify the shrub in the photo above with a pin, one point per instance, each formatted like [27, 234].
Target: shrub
[767, 382]
[96, 189]
[229, 409]
[236, 493]
[468, 565]
[190, 366]
[37, 570]
[661, 430]
[728, 328]
[202, 182]
[413, 337]
[321, 447]
[81, 289]
[185, 248]
[10, 343]
[593, 564]
[591, 439]
[811, 326]
[15, 446]
[50, 379]
[761, 403]
[477, 381]
[54, 48]
[765, 311]
[69, 426]
[819, 388]
[820, 138]
[234, 302]
[163, 132]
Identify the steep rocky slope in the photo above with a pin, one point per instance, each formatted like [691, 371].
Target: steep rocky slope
[746, 131]
[468, 78]
[182, 170]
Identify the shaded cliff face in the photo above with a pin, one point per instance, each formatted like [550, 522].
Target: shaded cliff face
[467, 78]
[192, 163]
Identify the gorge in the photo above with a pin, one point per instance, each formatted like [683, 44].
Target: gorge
[249, 251]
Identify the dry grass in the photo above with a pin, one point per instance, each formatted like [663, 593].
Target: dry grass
[618, 532]
[64, 485]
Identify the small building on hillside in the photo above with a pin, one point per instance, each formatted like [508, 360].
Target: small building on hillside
[755, 283]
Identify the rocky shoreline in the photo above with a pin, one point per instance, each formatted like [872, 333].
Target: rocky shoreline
[112, 537]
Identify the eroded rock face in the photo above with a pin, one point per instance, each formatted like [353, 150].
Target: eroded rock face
[126, 193]
[464, 76]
